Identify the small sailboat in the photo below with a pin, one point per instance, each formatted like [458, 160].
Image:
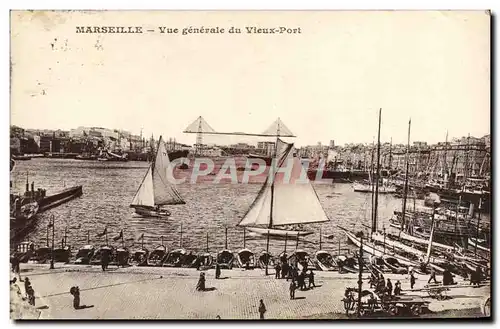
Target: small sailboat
[84, 255]
[281, 207]
[246, 258]
[155, 190]
[225, 259]
[325, 261]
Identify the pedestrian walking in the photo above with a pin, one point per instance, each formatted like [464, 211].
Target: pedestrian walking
[293, 287]
[262, 309]
[412, 280]
[301, 281]
[311, 279]
[432, 277]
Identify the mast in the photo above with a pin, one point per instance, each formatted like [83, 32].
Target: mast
[374, 226]
[445, 164]
[390, 155]
[371, 182]
[273, 168]
[429, 248]
[407, 165]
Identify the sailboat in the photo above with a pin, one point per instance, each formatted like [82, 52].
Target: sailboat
[155, 190]
[279, 205]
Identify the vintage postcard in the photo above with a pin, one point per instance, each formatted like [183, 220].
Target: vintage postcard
[250, 165]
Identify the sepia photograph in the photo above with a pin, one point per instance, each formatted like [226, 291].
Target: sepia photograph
[250, 165]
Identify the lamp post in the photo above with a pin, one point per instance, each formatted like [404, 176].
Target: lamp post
[360, 276]
[52, 251]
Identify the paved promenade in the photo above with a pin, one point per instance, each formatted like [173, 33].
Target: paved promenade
[165, 293]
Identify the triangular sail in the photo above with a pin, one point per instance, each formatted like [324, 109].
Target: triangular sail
[164, 192]
[293, 202]
[145, 193]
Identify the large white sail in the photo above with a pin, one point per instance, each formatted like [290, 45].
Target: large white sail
[164, 192]
[145, 193]
[292, 202]
[155, 189]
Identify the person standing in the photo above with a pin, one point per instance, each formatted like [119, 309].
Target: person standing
[201, 282]
[104, 261]
[217, 271]
[311, 279]
[262, 309]
[277, 270]
[293, 287]
[397, 288]
[412, 280]
[75, 291]
[389, 287]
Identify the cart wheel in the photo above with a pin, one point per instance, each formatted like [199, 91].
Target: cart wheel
[416, 309]
[393, 310]
[487, 307]
[441, 295]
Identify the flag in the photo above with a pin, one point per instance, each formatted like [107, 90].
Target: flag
[103, 233]
[119, 236]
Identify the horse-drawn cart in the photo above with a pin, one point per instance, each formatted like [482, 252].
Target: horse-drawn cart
[371, 303]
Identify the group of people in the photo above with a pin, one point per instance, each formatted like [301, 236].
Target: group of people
[383, 287]
[30, 292]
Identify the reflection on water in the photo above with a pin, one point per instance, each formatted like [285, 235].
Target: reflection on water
[108, 189]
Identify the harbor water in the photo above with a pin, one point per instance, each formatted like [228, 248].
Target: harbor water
[108, 189]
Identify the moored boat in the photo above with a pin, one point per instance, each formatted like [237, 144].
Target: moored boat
[139, 257]
[98, 255]
[324, 261]
[348, 264]
[246, 258]
[393, 264]
[189, 260]
[122, 256]
[266, 259]
[204, 261]
[174, 258]
[41, 255]
[62, 255]
[480, 244]
[225, 259]
[157, 255]
[84, 255]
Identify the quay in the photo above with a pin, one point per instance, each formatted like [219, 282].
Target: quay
[54, 200]
[169, 293]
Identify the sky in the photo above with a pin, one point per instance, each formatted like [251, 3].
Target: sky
[326, 83]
